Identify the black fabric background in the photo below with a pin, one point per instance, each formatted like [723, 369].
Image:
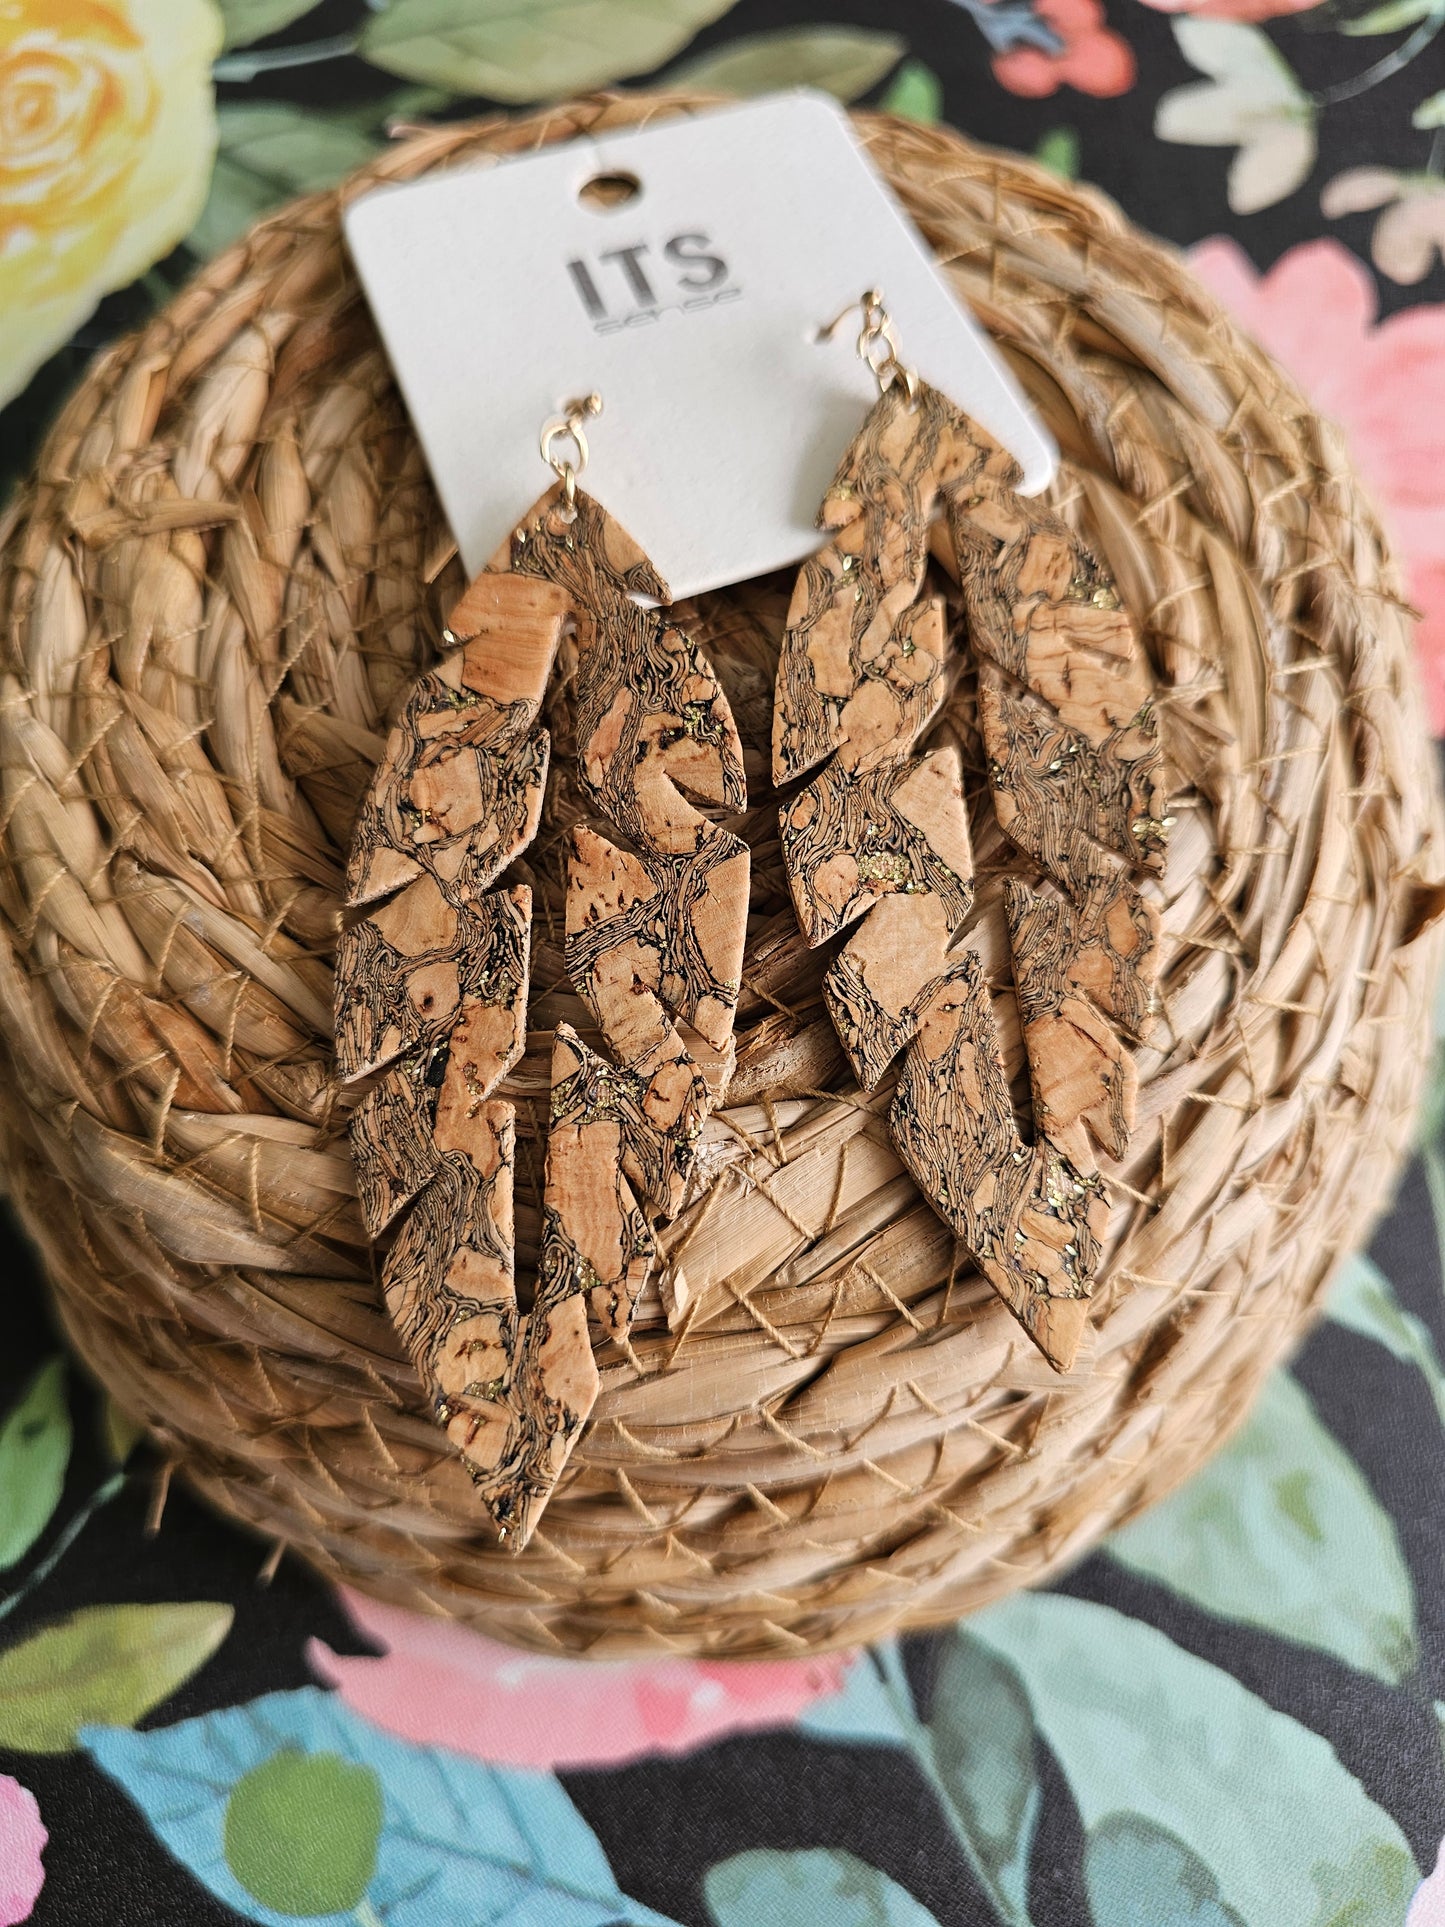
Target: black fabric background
[663, 1822]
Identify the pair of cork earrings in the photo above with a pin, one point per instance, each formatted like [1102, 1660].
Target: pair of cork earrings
[432, 980]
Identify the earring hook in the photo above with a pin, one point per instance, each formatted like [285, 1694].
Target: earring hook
[877, 341]
[568, 427]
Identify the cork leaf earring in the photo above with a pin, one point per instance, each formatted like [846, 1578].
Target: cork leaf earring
[879, 836]
[432, 977]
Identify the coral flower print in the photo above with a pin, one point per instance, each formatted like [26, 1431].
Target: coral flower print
[439, 1684]
[1384, 382]
[1234, 9]
[1250, 101]
[1091, 57]
[107, 135]
[22, 1840]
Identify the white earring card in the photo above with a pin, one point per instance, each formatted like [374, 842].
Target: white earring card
[683, 272]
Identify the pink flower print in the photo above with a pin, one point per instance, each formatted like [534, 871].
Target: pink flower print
[1382, 381]
[1094, 59]
[1427, 1909]
[439, 1684]
[22, 1841]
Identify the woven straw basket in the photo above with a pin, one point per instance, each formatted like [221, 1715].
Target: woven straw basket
[226, 571]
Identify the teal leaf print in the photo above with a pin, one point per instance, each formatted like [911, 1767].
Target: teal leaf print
[1363, 1300]
[1007, 24]
[817, 1888]
[1281, 1530]
[1140, 1726]
[1140, 1875]
[458, 1840]
[977, 1753]
[983, 1751]
[873, 1706]
[104, 1663]
[34, 1452]
[301, 1830]
[270, 150]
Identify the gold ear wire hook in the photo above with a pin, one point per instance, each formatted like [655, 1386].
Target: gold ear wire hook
[869, 302]
[877, 341]
[568, 427]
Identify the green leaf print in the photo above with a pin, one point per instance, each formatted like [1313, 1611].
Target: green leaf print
[1058, 151]
[1140, 1726]
[102, 1666]
[301, 1832]
[915, 92]
[248, 20]
[845, 61]
[1281, 1530]
[269, 151]
[1363, 1300]
[34, 1452]
[525, 50]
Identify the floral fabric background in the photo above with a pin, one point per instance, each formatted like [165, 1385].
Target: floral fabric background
[1231, 1716]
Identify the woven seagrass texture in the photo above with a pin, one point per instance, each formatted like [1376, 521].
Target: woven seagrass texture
[224, 574]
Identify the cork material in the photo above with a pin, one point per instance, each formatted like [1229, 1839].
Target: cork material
[218, 590]
[437, 976]
[1070, 733]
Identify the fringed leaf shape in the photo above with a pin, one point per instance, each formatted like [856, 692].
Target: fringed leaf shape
[432, 985]
[1032, 1220]
[1070, 733]
[851, 838]
[654, 938]
[1067, 717]
[861, 670]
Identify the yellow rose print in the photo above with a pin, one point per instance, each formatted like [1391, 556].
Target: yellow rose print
[107, 137]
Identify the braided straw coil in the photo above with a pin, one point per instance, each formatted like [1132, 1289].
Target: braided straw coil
[216, 590]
